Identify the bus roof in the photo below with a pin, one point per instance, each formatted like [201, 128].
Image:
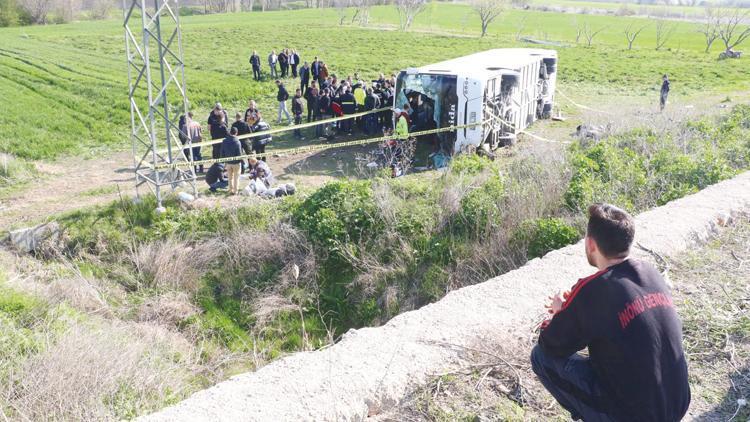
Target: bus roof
[490, 61]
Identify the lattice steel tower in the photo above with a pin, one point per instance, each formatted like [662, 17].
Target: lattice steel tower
[157, 94]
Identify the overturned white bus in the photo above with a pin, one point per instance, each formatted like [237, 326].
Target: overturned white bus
[506, 88]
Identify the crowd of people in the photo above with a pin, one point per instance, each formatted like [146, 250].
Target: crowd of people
[226, 175]
[321, 95]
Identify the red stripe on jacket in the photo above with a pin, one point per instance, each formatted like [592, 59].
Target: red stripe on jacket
[579, 285]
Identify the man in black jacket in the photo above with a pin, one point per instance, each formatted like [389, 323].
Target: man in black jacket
[260, 142]
[315, 69]
[312, 95]
[624, 315]
[230, 147]
[217, 126]
[372, 102]
[242, 129]
[664, 92]
[297, 109]
[281, 96]
[284, 62]
[216, 177]
[304, 78]
[294, 62]
[321, 111]
[255, 62]
[349, 106]
[386, 100]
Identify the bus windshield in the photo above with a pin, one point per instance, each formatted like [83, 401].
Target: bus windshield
[433, 103]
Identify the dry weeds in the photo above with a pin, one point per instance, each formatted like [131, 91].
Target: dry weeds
[101, 371]
[173, 264]
[167, 309]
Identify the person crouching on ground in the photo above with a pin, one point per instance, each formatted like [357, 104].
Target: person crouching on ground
[624, 315]
[259, 170]
[216, 177]
[230, 147]
[297, 110]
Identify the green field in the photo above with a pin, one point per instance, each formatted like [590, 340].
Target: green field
[67, 83]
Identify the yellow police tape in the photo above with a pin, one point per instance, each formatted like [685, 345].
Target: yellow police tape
[312, 148]
[285, 129]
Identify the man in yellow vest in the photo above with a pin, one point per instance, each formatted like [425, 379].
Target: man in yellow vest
[401, 125]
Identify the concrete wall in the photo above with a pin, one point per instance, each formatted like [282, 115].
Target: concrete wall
[373, 368]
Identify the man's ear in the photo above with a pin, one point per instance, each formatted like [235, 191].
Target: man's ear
[591, 245]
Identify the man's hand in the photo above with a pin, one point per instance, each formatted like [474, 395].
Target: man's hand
[557, 302]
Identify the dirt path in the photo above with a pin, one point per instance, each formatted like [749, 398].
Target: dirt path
[72, 183]
[65, 185]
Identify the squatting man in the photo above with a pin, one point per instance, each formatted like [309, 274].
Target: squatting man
[624, 315]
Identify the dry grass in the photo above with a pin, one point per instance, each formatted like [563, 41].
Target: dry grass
[495, 383]
[249, 254]
[173, 264]
[713, 296]
[535, 188]
[167, 309]
[101, 371]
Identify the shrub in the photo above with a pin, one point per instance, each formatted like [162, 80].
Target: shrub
[19, 316]
[9, 13]
[25, 310]
[434, 283]
[341, 211]
[470, 164]
[543, 235]
[481, 208]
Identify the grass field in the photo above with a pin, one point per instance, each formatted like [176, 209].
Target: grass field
[68, 82]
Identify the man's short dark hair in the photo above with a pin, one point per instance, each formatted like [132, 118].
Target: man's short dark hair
[612, 229]
[233, 130]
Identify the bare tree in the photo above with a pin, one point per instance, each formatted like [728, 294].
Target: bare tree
[101, 9]
[407, 11]
[342, 7]
[487, 10]
[710, 28]
[38, 10]
[631, 34]
[361, 11]
[589, 33]
[664, 31]
[730, 34]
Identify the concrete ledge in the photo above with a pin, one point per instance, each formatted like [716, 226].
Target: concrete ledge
[371, 369]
